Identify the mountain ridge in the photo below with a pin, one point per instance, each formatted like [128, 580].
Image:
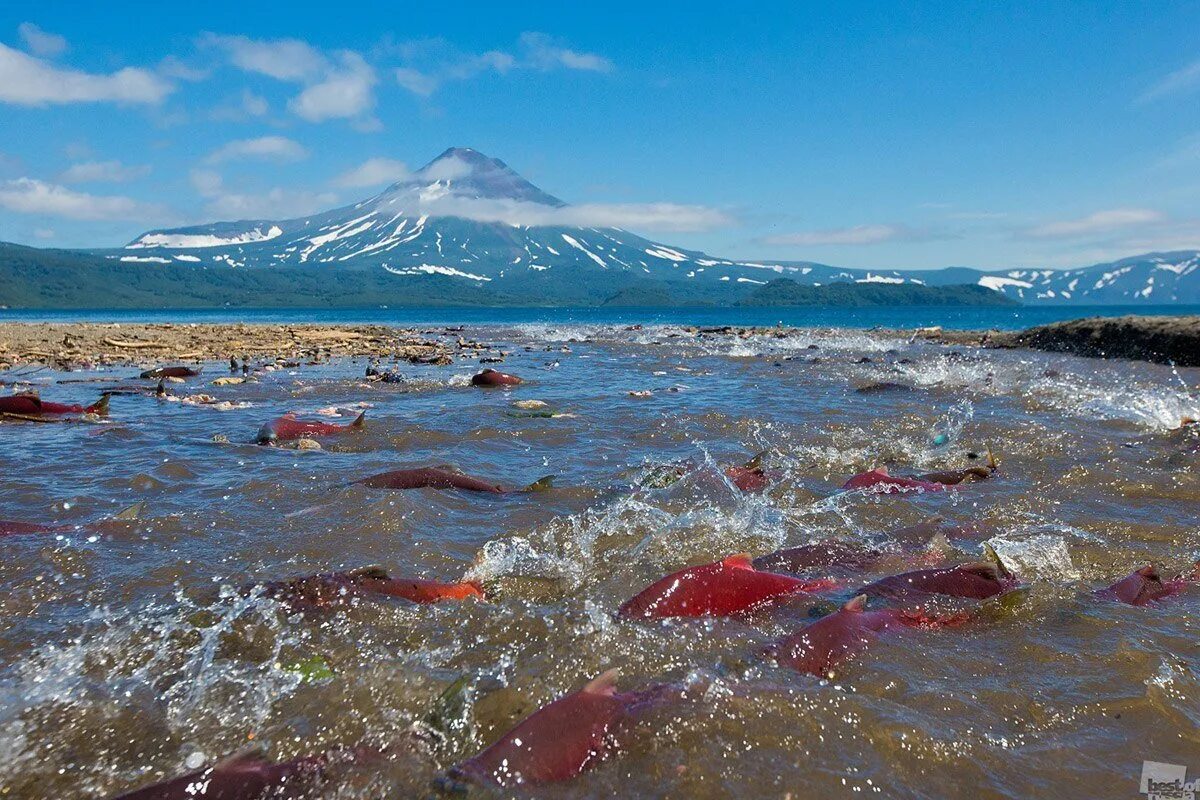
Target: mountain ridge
[473, 220]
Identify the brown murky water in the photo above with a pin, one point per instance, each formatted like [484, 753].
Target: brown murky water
[128, 653]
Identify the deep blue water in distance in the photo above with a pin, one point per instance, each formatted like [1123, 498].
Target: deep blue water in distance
[959, 317]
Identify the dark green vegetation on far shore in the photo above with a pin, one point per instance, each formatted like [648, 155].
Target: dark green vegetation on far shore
[32, 278]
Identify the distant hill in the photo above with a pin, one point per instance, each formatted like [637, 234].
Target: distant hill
[35, 278]
[786, 292]
[467, 229]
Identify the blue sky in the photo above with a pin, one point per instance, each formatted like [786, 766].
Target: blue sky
[985, 134]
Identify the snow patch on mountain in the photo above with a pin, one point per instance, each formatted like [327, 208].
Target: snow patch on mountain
[182, 241]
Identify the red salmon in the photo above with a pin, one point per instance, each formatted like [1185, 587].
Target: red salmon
[822, 645]
[975, 581]
[331, 588]
[490, 377]
[32, 406]
[1146, 586]
[562, 739]
[287, 429]
[879, 481]
[720, 589]
[439, 478]
[827, 553]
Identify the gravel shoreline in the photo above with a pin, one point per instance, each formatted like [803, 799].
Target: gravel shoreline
[80, 345]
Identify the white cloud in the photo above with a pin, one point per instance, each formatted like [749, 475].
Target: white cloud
[430, 63]
[270, 148]
[282, 59]
[40, 42]
[103, 172]
[345, 92]
[859, 234]
[372, 172]
[337, 87]
[1101, 222]
[29, 81]
[446, 169]
[32, 196]
[1181, 80]
[544, 53]
[666, 217]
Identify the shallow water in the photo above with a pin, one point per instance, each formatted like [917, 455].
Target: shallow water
[128, 652]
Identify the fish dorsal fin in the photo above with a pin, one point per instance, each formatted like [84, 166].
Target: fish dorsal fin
[360, 421]
[738, 561]
[132, 512]
[994, 557]
[857, 605]
[373, 571]
[882, 471]
[540, 485]
[991, 461]
[756, 462]
[1150, 573]
[32, 397]
[605, 683]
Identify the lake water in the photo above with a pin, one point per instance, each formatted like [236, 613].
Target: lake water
[959, 317]
[134, 651]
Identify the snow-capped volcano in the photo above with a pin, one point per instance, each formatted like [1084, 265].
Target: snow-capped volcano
[471, 218]
[463, 215]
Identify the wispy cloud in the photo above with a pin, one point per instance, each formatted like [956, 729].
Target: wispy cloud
[1098, 223]
[246, 106]
[544, 52]
[276, 203]
[372, 172]
[40, 42]
[32, 196]
[103, 172]
[1181, 80]
[856, 235]
[268, 148]
[29, 81]
[662, 217]
[431, 63]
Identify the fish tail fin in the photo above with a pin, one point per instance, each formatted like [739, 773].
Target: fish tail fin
[858, 603]
[991, 461]
[994, 558]
[100, 406]
[372, 571]
[540, 485]
[604, 683]
[938, 544]
[360, 421]
[131, 513]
